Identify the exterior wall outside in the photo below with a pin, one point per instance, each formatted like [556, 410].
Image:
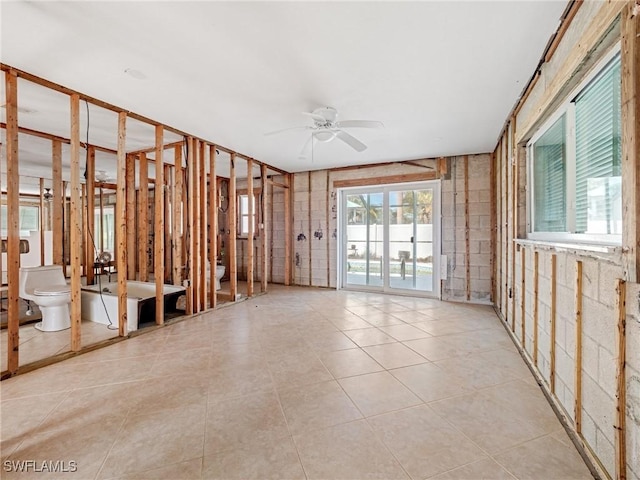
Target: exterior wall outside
[601, 271]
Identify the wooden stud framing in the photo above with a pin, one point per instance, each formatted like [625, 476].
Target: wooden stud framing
[131, 217]
[121, 224]
[467, 255]
[233, 260]
[167, 185]
[507, 246]
[287, 229]
[552, 361]
[177, 223]
[213, 226]
[143, 218]
[621, 382]
[13, 229]
[41, 220]
[194, 196]
[75, 234]
[578, 352]
[513, 167]
[630, 112]
[91, 207]
[65, 219]
[58, 202]
[202, 229]
[250, 233]
[327, 217]
[190, 245]
[84, 206]
[158, 237]
[523, 295]
[407, 177]
[492, 196]
[265, 260]
[270, 223]
[535, 308]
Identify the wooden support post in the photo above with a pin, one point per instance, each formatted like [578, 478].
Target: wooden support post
[250, 232]
[493, 222]
[86, 261]
[578, 352]
[58, 202]
[158, 237]
[91, 208]
[264, 222]
[327, 211]
[213, 226]
[535, 308]
[131, 216]
[552, 361]
[191, 243]
[233, 260]
[202, 228]
[167, 226]
[621, 382]
[467, 256]
[75, 237]
[65, 229]
[13, 219]
[523, 295]
[507, 245]
[41, 220]
[143, 219]
[271, 201]
[176, 224]
[287, 230]
[194, 197]
[630, 113]
[121, 224]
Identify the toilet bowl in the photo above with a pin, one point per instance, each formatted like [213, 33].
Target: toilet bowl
[220, 269]
[46, 287]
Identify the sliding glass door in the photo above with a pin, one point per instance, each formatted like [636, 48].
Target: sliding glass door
[391, 238]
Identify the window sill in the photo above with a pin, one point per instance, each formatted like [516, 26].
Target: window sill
[609, 253]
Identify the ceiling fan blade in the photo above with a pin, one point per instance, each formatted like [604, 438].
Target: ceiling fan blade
[360, 124]
[303, 152]
[286, 130]
[350, 140]
[316, 117]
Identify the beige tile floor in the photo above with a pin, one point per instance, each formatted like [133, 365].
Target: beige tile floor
[299, 383]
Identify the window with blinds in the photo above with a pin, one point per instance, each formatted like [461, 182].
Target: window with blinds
[575, 170]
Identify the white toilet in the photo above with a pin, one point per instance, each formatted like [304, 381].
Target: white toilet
[220, 269]
[47, 288]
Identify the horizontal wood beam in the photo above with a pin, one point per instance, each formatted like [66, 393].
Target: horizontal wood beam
[408, 177]
[48, 136]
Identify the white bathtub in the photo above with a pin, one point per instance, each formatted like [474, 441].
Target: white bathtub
[141, 302]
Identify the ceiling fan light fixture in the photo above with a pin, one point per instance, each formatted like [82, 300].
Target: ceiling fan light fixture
[325, 135]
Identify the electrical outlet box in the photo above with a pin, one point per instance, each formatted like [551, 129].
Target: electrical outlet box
[443, 267]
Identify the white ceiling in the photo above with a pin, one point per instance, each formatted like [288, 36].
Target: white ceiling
[441, 76]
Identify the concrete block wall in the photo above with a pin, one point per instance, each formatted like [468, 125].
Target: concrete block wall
[315, 260]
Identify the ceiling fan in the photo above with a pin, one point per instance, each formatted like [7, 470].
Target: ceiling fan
[326, 128]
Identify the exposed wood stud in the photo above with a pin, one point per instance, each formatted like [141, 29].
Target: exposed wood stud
[467, 255]
[507, 245]
[233, 260]
[493, 201]
[91, 208]
[158, 236]
[58, 202]
[265, 222]
[408, 177]
[131, 217]
[121, 225]
[85, 246]
[578, 352]
[250, 232]
[41, 220]
[75, 233]
[143, 218]
[287, 230]
[535, 307]
[177, 224]
[327, 226]
[213, 226]
[167, 224]
[552, 361]
[13, 226]
[202, 230]
[621, 382]
[513, 149]
[271, 201]
[310, 236]
[191, 234]
[523, 290]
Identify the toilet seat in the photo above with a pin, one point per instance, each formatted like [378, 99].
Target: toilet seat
[52, 290]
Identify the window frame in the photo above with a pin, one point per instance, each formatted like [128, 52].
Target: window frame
[240, 233]
[567, 108]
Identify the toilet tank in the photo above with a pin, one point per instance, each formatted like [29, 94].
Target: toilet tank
[38, 277]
